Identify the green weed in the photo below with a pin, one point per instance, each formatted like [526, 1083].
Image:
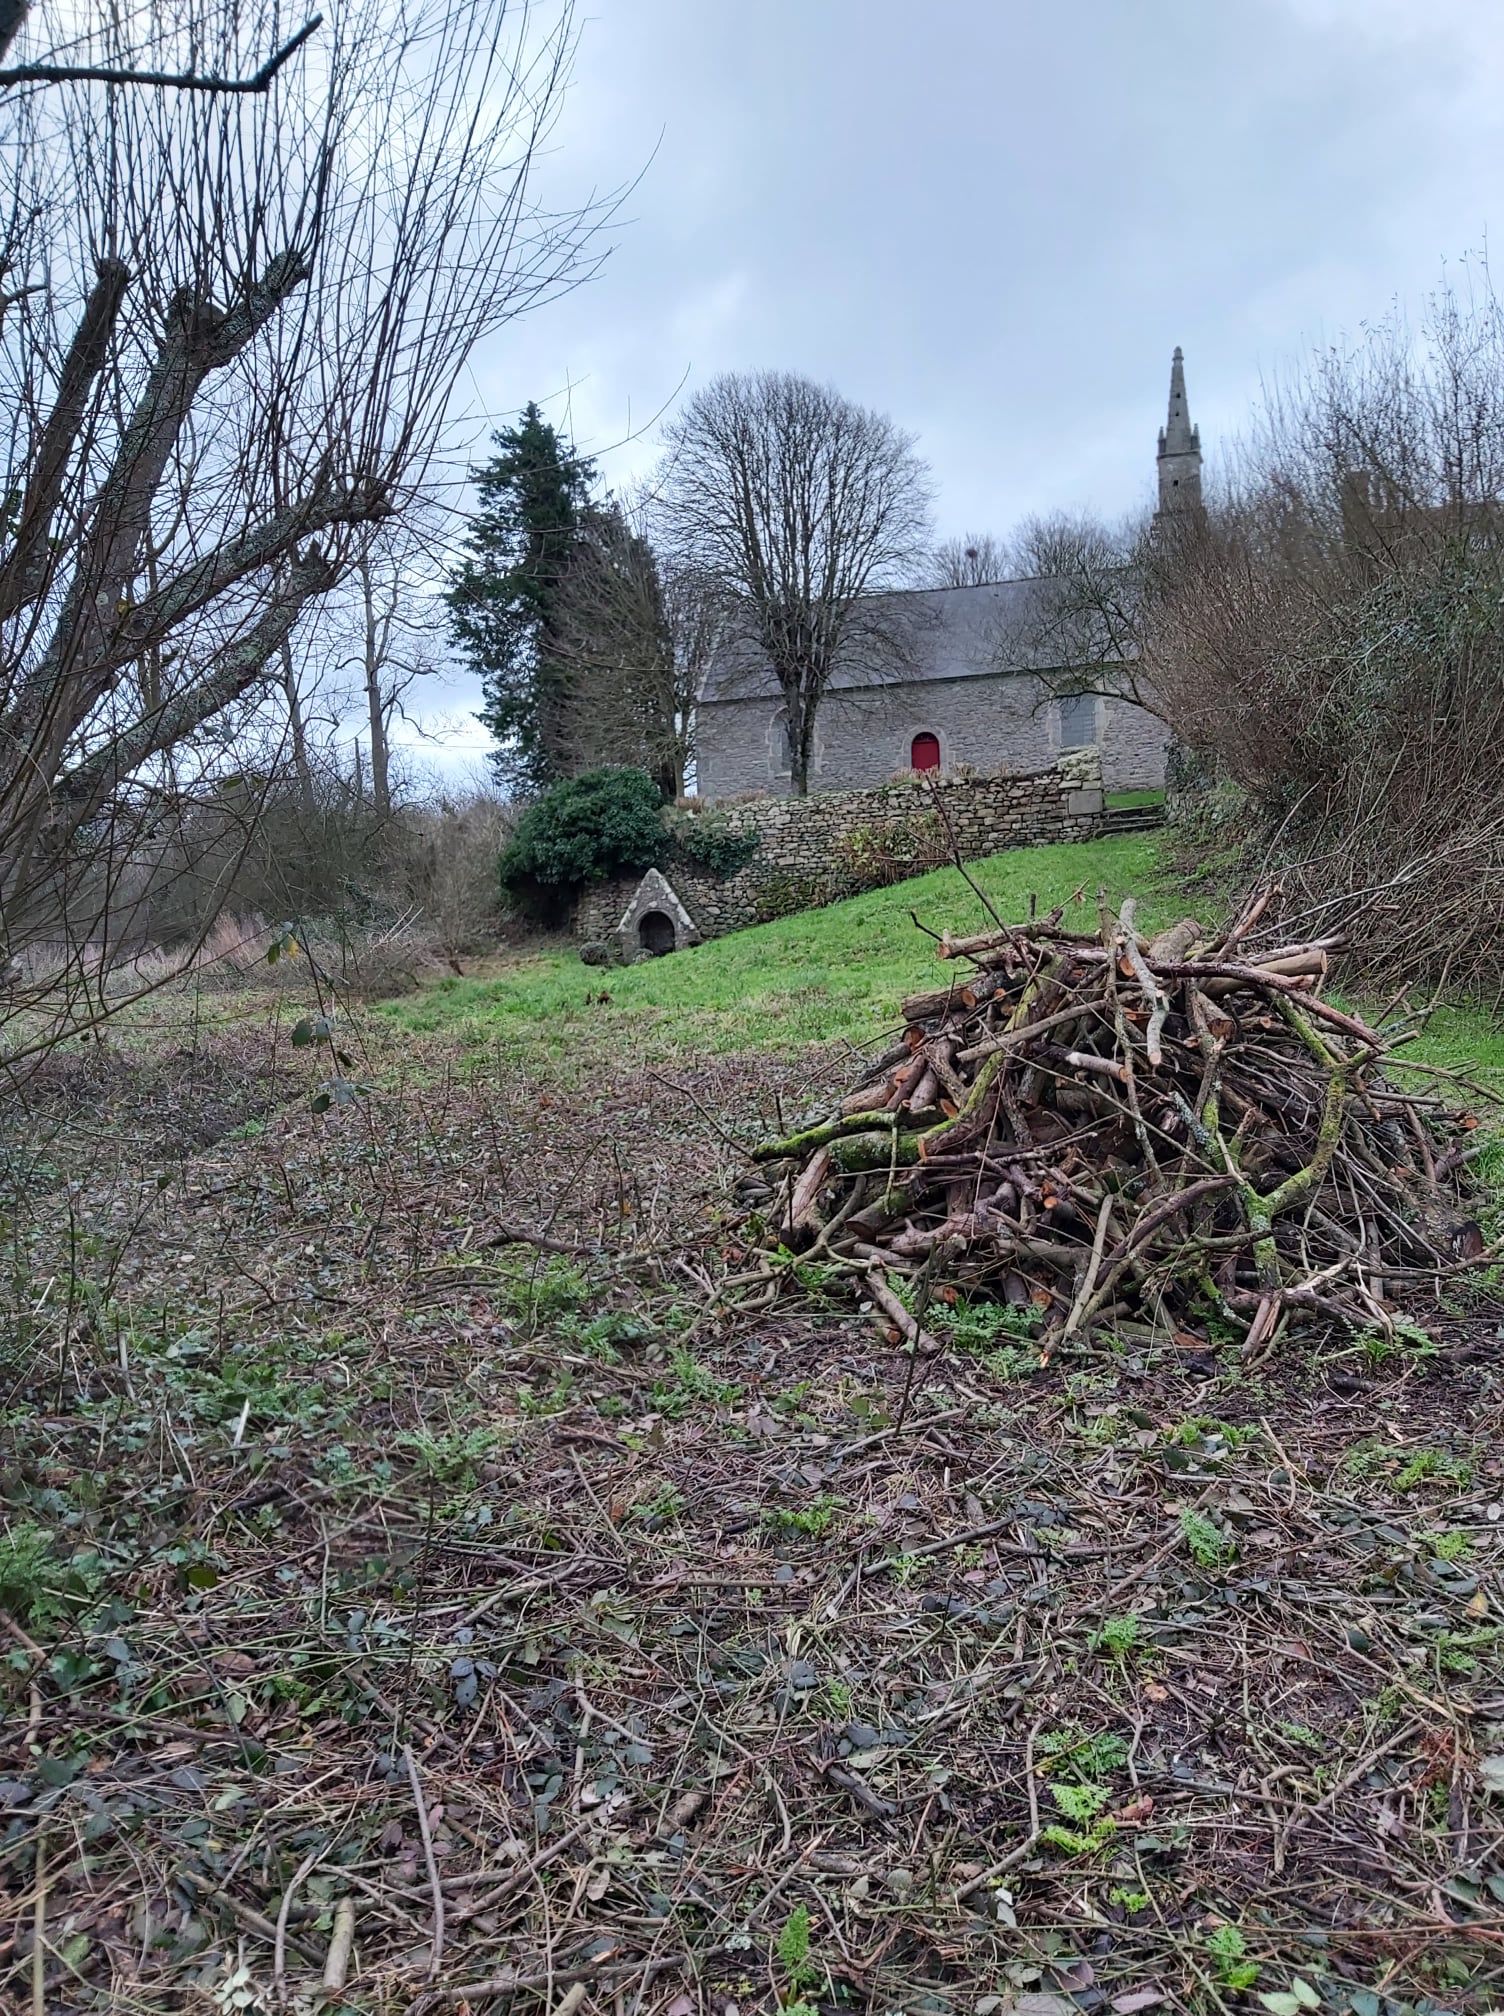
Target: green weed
[1083, 1805]
[664, 1506]
[1089, 1757]
[1403, 1339]
[1208, 1546]
[812, 1521]
[688, 1383]
[559, 1288]
[39, 1588]
[1433, 1466]
[1117, 1638]
[452, 1459]
[1229, 1949]
[1200, 1429]
[793, 1949]
[540, 1403]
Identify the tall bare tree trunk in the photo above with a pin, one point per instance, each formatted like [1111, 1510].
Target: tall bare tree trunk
[299, 732]
[381, 794]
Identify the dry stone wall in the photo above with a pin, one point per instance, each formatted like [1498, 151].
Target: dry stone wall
[806, 844]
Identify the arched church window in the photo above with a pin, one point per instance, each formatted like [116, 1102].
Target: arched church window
[924, 752]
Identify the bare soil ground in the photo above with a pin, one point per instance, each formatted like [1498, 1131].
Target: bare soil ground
[431, 1508]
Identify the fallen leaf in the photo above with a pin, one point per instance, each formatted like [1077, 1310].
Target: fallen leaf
[1491, 1772]
[1136, 1998]
[1478, 1605]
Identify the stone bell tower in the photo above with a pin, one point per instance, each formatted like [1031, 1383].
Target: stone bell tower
[1179, 450]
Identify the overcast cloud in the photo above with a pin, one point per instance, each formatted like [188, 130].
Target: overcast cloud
[994, 220]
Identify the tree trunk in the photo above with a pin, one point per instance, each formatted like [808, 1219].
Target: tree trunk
[799, 770]
[381, 795]
[800, 733]
[299, 732]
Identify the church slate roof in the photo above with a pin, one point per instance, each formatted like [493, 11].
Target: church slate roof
[958, 633]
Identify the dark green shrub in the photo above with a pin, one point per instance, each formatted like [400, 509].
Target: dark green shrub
[709, 841]
[587, 829]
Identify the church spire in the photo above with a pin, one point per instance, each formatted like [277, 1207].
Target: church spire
[1179, 449]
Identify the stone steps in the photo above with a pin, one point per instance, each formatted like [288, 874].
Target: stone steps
[1131, 819]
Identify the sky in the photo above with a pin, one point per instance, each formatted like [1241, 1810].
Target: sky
[994, 220]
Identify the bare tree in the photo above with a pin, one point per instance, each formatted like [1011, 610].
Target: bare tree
[1335, 639]
[398, 622]
[636, 634]
[1082, 627]
[799, 506]
[971, 560]
[231, 330]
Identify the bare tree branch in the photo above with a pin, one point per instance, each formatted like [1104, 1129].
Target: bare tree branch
[231, 672]
[232, 324]
[972, 560]
[26, 565]
[13, 13]
[637, 632]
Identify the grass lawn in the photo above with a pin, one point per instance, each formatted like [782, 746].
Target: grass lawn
[1130, 801]
[818, 977]
[823, 976]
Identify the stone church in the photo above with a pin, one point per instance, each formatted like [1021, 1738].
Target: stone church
[970, 693]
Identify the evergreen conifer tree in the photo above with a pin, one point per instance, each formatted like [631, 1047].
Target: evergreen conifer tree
[504, 598]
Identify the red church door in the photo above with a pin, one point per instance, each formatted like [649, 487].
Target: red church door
[925, 753]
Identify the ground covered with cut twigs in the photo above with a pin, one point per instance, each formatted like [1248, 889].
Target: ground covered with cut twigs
[434, 1519]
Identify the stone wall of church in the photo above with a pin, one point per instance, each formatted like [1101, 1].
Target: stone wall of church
[864, 738]
[1135, 747]
[802, 842]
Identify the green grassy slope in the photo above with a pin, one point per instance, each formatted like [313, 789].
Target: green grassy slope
[823, 975]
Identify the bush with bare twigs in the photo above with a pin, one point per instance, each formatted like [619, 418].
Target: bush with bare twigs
[1335, 634]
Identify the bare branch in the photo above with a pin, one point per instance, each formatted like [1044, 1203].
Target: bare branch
[14, 12]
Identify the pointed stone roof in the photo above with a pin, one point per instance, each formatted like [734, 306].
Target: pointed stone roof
[1178, 436]
[1179, 448]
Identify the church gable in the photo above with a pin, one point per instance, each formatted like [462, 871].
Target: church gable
[970, 696]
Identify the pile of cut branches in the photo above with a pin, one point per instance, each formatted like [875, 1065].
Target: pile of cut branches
[1179, 1131]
